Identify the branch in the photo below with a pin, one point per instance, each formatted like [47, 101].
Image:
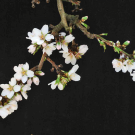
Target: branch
[73, 2]
[62, 14]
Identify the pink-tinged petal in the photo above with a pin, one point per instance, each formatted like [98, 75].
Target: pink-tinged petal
[73, 70]
[69, 38]
[60, 86]
[58, 46]
[83, 49]
[12, 82]
[30, 73]
[18, 76]
[4, 86]
[26, 66]
[49, 37]
[24, 94]
[24, 79]
[45, 29]
[17, 88]
[44, 44]
[75, 77]
[18, 97]
[5, 92]
[29, 82]
[36, 80]
[11, 94]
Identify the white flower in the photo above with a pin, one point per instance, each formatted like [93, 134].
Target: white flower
[18, 97]
[73, 76]
[0, 98]
[23, 72]
[48, 49]
[8, 109]
[69, 57]
[25, 88]
[54, 85]
[39, 36]
[36, 80]
[31, 49]
[129, 65]
[62, 34]
[66, 41]
[10, 89]
[118, 65]
[83, 49]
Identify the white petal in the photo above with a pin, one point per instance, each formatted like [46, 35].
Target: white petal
[65, 48]
[26, 66]
[17, 69]
[83, 49]
[75, 77]
[5, 92]
[3, 113]
[73, 61]
[45, 29]
[18, 76]
[30, 73]
[117, 69]
[49, 37]
[24, 79]
[24, 94]
[17, 88]
[68, 59]
[10, 95]
[62, 34]
[124, 69]
[73, 70]
[12, 82]
[18, 97]
[36, 31]
[4, 86]
[53, 85]
[26, 87]
[69, 38]
[60, 86]
[0, 98]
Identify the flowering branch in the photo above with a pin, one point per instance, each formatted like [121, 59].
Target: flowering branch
[52, 40]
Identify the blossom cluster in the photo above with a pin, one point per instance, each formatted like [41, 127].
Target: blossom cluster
[17, 87]
[21, 82]
[124, 64]
[42, 39]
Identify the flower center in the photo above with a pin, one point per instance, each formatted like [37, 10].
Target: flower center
[10, 88]
[24, 72]
[42, 37]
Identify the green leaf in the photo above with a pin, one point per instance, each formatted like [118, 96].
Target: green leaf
[84, 18]
[104, 34]
[104, 46]
[38, 47]
[58, 79]
[85, 25]
[126, 43]
[116, 49]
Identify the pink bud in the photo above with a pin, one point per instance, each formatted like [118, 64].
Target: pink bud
[36, 80]
[29, 82]
[44, 44]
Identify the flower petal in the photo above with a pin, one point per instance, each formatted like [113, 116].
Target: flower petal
[12, 82]
[17, 88]
[45, 29]
[60, 86]
[26, 66]
[75, 77]
[24, 79]
[73, 70]
[30, 73]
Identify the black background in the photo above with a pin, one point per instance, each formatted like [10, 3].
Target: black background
[101, 103]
